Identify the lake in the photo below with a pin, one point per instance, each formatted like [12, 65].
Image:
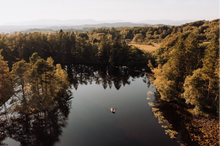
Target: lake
[86, 119]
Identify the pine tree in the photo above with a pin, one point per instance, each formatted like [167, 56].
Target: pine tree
[194, 93]
[202, 88]
[20, 75]
[104, 51]
[192, 53]
[6, 83]
[115, 52]
[210, 62]
[42, 84]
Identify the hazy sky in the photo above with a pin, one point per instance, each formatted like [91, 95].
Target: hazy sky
[128, 10]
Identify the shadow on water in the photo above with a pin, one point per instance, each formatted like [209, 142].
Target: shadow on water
[101, 75]
[187, 128]
[45, 127]
[40, 128]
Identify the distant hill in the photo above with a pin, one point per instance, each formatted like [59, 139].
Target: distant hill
[167, 22]
[53, 24]
[74, 22]
[30, 28]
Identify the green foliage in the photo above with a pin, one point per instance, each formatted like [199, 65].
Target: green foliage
[84, 35]
[119, 52]
[20, 76]
[166, 87]
[210, 59]
[136, 58]
[138, 38]
[69, 46]
[188, 70]
[41, 84]
[184, 50]
[175, 70]
[6, 82]
[104, 51]
[193, 89]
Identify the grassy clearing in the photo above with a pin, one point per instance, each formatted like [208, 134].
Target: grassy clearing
[147, 48]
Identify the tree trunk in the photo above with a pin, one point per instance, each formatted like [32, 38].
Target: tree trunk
[209, 89]
[216, 98]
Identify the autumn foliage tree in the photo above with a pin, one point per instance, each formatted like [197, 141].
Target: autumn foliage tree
[170, 77]
[6, 82]
[202, 87]
[40, 84]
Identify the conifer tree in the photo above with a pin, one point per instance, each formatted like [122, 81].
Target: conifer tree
[6, 83]
[20, 75]
[115, 51]
[210, 62]
[202, 88]
[194, 93]
[193, 53]
[183, 60]
[42, 84]
[104, 51]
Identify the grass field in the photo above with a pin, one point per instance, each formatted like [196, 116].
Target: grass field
[147, 48]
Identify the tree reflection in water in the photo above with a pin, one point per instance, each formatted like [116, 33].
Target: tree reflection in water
[41, 128]
[104, 75]
[192, 130]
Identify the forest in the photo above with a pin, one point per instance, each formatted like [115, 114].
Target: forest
[37, 70]
[68, 48]
[185, 67]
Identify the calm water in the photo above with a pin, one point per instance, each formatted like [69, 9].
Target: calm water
[91, 122]
[86, 119]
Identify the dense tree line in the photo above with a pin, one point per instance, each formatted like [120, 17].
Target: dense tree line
[89, 47]
[30, 123]
[69, 48]
[37, 98]
[179, 123]
[186, 66]
[145, 34]
[36, 129]
[156, 33]
[34, 86]
[188, 71]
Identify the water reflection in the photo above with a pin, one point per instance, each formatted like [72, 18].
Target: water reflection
[45, 127]
[105, 76]
[41, 128]
[188, 129]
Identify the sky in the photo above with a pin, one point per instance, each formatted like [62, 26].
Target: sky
[125, 10]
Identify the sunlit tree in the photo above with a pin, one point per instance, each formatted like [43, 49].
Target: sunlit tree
[41, 84]
[6, 83]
